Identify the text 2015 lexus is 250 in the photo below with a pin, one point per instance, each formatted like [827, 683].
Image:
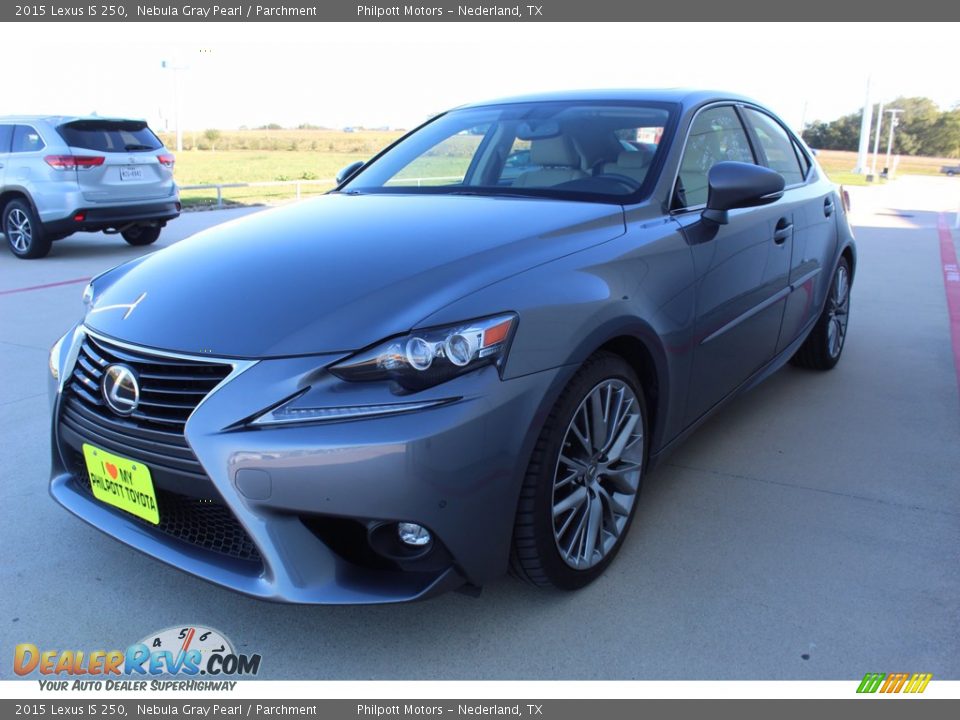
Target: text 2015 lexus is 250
[463, 360]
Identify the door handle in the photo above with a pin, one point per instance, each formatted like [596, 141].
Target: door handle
[828, 207]
[783, 230]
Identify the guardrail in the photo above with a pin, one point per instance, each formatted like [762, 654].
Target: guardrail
[220, 187]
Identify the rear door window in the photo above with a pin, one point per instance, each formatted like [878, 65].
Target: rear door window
[777, 146]
[110, 136]
[6, 135]
[26, 139]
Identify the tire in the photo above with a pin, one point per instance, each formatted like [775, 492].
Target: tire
[823, 347]
[139, 235]
[588, 494]
[25, 235]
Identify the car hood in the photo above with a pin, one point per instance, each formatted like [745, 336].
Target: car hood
[337, 273]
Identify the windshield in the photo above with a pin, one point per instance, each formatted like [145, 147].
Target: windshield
[592, 151]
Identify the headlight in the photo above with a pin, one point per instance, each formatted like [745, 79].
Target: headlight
[87, 298]
[54, 360]
[428, 357]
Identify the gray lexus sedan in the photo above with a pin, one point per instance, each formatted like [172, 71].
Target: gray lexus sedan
[465, 359]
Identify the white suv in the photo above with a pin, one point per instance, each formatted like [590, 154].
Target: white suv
[60, 175]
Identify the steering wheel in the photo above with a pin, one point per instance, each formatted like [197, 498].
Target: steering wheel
[624, 180]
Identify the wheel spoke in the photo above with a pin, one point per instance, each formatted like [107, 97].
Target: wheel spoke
[598, 424]
[594, 528]
[615, 507]
[583, 439]
[616, 450]
[618, 478]
[572, 463]
[571, 502]
[566, 481]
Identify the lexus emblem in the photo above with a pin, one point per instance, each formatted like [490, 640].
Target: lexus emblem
[120, 389]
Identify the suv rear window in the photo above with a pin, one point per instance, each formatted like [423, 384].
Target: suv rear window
[110, 135]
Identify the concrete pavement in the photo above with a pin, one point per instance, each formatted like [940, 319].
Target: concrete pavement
[810, 530]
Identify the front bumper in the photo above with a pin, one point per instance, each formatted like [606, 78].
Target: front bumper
[315, 498]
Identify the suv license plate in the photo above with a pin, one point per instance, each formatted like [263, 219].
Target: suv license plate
[131, 173]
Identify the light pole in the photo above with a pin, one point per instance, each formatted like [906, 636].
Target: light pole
[176, 99]
[893, 123]
[864, 149]
[876, 140]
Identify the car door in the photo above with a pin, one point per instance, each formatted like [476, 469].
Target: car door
[815, 228]
[742, 267]
[25, 158]
[6, 135]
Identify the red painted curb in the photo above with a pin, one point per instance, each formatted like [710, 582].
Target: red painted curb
[43, 287]
[951, 282]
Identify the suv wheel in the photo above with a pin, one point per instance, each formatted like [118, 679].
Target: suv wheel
[580, 492]
[24, 234]
[141, 234]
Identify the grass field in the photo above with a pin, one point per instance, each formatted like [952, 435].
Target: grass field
[839, 165]
[269, 156]
[317, 155]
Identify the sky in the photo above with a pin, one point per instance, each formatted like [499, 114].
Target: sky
[398, 74]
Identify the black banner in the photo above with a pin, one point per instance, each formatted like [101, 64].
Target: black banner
[877, 709]
[472, 11]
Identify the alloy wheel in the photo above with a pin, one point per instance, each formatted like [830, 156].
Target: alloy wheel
[19, 232]
[597, 476]
[838, 312]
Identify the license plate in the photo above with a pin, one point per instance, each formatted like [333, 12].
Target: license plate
[123, 483]
[131, 173]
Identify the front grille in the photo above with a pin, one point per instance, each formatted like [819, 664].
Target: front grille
[204, 523]
[170, 390]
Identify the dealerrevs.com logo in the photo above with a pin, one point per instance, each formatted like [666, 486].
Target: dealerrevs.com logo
[188, 652]
[894, 683]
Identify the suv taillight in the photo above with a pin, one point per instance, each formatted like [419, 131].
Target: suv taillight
[166, 160]
[74, 162]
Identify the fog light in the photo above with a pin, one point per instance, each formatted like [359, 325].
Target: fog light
[413, 534]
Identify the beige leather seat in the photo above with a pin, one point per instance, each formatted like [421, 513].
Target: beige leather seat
[558, 160]
[633, 165]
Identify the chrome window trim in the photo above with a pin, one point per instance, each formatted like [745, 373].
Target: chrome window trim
[686, 139]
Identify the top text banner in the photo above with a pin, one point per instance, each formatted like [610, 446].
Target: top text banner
[485, 11]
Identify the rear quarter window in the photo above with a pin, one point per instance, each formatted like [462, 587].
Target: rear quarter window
[26, 139]
[110, 136]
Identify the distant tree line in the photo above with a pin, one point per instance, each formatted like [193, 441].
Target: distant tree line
[922, 129]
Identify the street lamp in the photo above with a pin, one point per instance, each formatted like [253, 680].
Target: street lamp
[166, 65]
[876, 140]
[893, 123]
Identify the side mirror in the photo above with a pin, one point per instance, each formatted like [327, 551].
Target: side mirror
[739, 185]
[348, 172]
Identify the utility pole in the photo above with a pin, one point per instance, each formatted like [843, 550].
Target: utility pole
[176, 99]
[864, 149]
[893, 123]
[876, 140]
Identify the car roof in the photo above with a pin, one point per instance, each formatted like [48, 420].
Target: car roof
[60, 119]
[687, 97]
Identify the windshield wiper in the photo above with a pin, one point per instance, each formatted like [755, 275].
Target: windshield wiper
[491, 193]
[132, 147]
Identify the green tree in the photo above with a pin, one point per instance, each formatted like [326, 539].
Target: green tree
[922, 129]
[212, 135]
